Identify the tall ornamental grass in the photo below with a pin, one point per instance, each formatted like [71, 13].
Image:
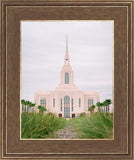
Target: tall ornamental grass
[35, 125]
[96, 126]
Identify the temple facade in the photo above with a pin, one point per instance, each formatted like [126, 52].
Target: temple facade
[66, 100]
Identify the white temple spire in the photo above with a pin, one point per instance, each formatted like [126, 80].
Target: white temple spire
[66, 44]
[66, 55]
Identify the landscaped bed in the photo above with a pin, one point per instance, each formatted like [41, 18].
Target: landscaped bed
[96, 126]
[39, 125]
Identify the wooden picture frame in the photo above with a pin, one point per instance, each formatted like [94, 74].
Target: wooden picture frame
[12, 12]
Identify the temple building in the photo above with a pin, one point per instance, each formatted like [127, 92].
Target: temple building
[66, 100]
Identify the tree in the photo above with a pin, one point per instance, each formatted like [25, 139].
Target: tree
[108, 103]
[91, 109]
[105, 105]
[28, 103]
[23, 104]
[32, 105]
[99, 105]
[41, 109]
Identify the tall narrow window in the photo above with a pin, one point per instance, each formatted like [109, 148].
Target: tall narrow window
[79, 102]
[53, 102]
[43, 101]
[72, 105]
[66, 100]
[61, 105]
[92, 101]
[66, 78]
[88, 103]
[67, 107]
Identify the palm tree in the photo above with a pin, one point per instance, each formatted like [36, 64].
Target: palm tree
[23, 104]
[28, 103]
[105, 105]
[91, 109]
[33, 104]
[108, 103]
[99, 105]
[41, 109]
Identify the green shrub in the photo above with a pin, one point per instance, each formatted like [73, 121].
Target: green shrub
[82, 114]
[96, 126]
[34, 125]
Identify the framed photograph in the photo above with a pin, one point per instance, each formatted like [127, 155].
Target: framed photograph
[67, 108]
[67, 79]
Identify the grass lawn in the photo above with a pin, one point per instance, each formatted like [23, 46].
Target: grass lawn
[96, 126]
[35, 125]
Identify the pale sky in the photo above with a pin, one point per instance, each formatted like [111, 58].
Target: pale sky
[43, 47]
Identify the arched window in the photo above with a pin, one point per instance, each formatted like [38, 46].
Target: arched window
[66, 78]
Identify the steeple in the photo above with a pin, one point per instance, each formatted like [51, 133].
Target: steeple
[67, 60]
[66, 74]
[66, 44]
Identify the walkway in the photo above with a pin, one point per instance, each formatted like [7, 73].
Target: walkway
[66, 133]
